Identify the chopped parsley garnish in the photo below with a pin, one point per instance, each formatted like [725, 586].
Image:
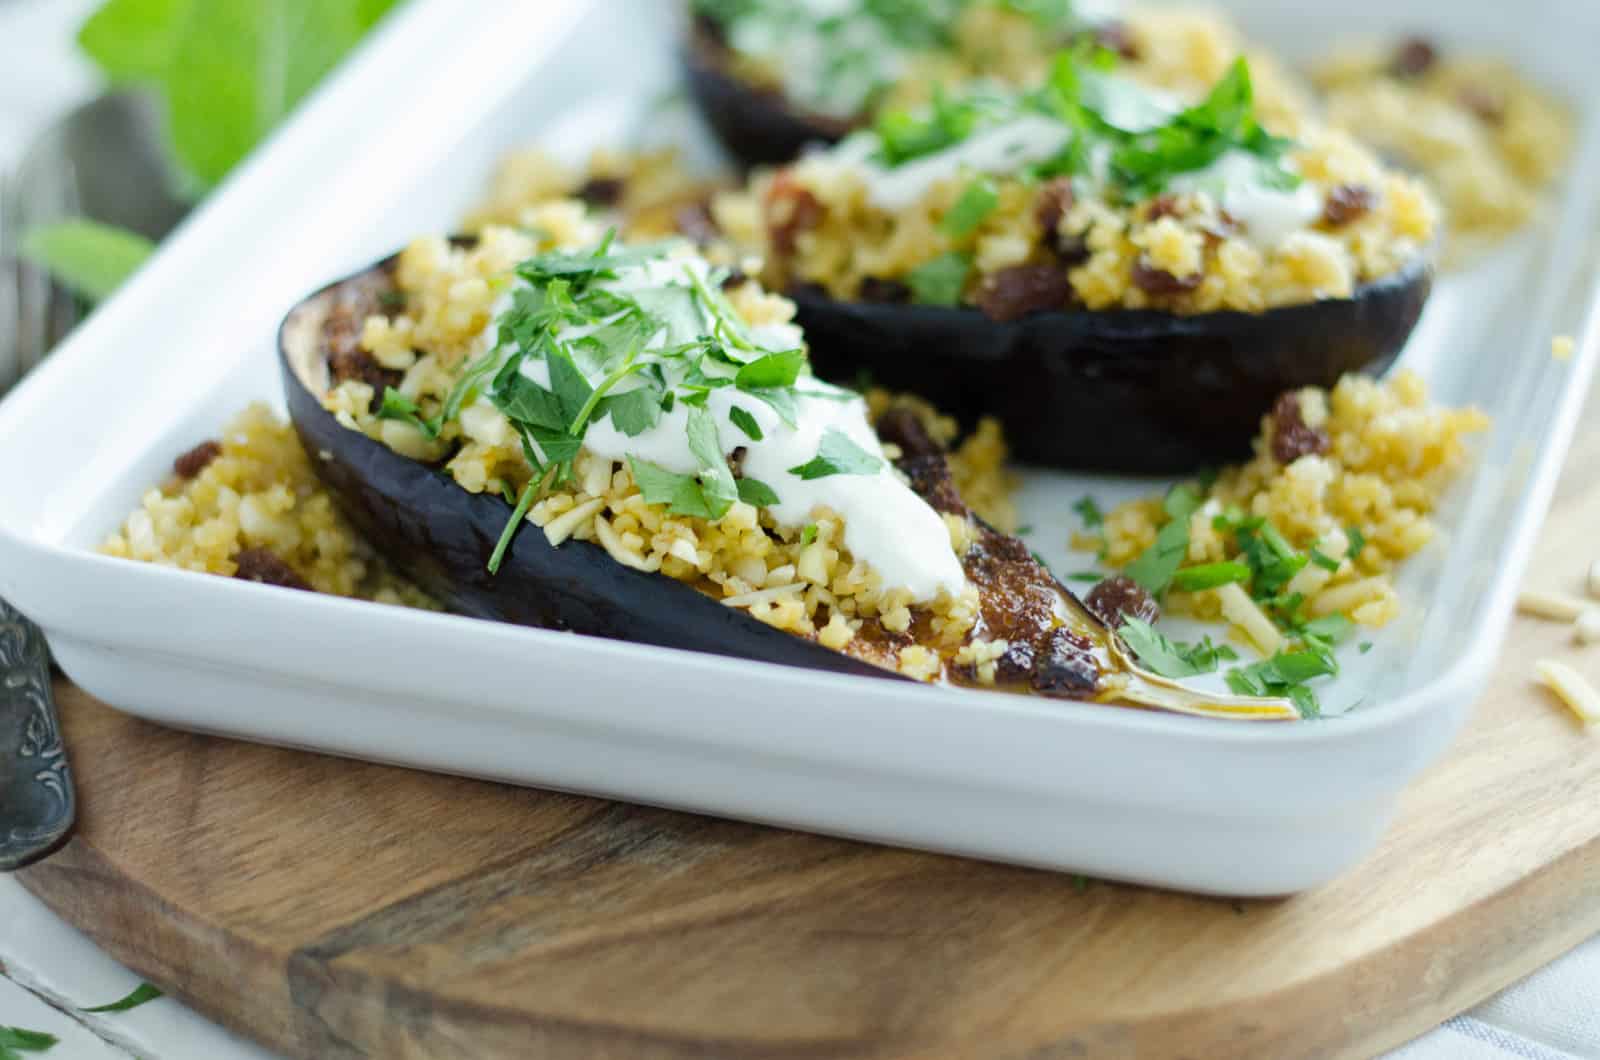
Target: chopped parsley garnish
[1358, 541]
[1323, 560]
[1089, 512]
[808, 535]
[940, 281]
[746, 423]
[838, 455]
[1170, 658]
[1286, 675]
[1144, 141]
[15, 1041]
[977, 202]
[1025, 529]
[1209, 576]
[576, 348]
[1366, 646]
[141, 994]
[1154, 570]
[1088, 577]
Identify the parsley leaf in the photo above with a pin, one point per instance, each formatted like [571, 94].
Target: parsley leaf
[773, 370]
[144, 992]
[1166, 657]
[808, 535]
[745, 422]
[838, 455]
[91, 258]
[570, 387]
[682, 494]
[1154, 569]
[940, 281]
[1358, 541]
[1089, 512]
[634, 411]
[524, 401]
[1286, 674]
[396, 406]
[756, 493]
[716, 481]
[16, 1040]
[976, 203]
[1209, 576]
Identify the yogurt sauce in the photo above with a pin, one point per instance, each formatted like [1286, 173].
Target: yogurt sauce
[886, 525]
[1269, 215]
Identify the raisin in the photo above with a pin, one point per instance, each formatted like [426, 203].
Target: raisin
[1152, 280]
[1292, 437]
[1013, 293]
[1162, 206]
[1415, 57]
[694, 220]
[1347, 203]
[791, 210]
[603, 191]
[263, 566]
[1119, 597]
[1066, 665]
[1016, 663]
[1117, 37]
[197, 459]
[736, 278]
[889, 292]
[1056, 199]
[1488, 105]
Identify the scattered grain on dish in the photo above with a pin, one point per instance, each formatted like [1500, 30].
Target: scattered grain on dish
[1555, 606]
[1391, 455]
[1487, 140]
[253, 509]
[1586, 630]
[1561, 347]
[1571, 687]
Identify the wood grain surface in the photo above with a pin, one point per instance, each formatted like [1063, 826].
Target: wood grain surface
[338, 909]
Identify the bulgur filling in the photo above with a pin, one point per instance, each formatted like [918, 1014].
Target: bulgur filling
[1089, 191]
[1489, 142]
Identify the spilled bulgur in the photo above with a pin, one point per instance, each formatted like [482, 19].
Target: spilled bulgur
[1362, 496]
[234, 506]
[1489, 142]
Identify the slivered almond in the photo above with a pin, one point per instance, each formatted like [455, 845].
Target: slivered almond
[1571, 687]
[1557, 606]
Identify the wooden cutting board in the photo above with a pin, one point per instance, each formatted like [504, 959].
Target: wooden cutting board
[336, 909]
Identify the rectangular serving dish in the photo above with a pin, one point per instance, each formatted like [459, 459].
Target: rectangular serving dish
[400, 143]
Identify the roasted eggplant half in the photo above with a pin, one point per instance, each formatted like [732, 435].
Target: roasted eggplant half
[756, 124]
[1133, 391]
[1126, 282]
[454, 544]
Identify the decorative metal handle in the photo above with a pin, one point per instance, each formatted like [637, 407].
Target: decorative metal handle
[37, 803]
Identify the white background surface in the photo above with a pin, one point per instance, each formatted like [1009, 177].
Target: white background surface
[49, 969]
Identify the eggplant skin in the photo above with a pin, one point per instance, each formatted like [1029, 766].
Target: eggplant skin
[1131, 391]
[441, 536]
[758, 127]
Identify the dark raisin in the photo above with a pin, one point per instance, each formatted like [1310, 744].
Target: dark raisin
[1055, 200]
[888, 292]
[1348, 202]
[1488, 105]
[1016, 663]
[263, 565]
[736, 460]
[1152, 280]
[1013, 293]
[1292, 437]
[736, 278]
[1119, 597]
[1071, 250]
[1415, 57]
[603, 191]
[791, 210]
[197, 459]
[694, 220]
[1066, 665]
[1116, 37]
[1162, 206]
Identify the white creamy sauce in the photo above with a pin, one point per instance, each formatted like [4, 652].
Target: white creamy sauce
[1003, 149]
[887, 525]
[1269, 215]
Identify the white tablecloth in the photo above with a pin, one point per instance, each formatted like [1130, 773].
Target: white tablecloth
[48, 970]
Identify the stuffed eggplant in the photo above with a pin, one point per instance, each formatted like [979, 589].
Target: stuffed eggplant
[774, 76]
[1129, 282]
[627, 442]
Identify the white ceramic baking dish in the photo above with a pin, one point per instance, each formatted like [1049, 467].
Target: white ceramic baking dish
[400, 143]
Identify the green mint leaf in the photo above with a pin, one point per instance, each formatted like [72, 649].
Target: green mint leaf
[1089, 512]
[976, 203]
[756, 493]
[91, 258]
[774, 370]
[745, 422]
[940, 281]
[229, 71]
[141, 994]
[634, 411]
[838, 455]
[1166, 657]
[1209, 576]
